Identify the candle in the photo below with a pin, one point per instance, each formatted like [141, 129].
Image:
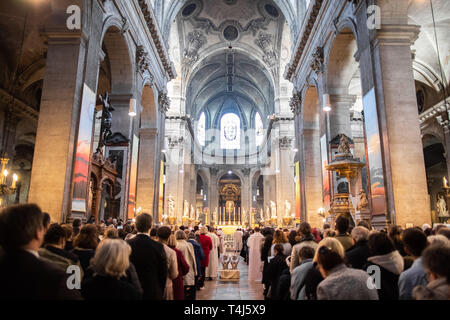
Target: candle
[15, 178]
[445, 182]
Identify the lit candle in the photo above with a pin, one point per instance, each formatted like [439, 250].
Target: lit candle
[15, 178]
[444, 179]
[5, 173]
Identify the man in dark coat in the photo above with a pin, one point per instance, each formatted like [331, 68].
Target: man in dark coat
[149, 259]
[275, 269]
[357, 255]
[23, 275]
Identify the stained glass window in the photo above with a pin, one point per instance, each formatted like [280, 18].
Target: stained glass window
[259, 130]
[230, 131]
[201, 129]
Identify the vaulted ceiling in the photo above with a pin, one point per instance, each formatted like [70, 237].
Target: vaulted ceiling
[229, 55]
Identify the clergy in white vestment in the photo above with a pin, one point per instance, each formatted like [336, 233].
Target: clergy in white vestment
[211, 269]
[238, 240]
[254, 262]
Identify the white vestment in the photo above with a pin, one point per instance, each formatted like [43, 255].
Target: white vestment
[211, 269]
[254, 262]
[238, 240]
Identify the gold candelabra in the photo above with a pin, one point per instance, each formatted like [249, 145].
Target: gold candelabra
[5, 189]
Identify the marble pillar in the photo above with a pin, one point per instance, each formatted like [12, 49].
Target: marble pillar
[54, 154]
[148, 177]
[402, 144]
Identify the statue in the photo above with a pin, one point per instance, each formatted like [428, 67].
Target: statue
[287, 207]
[192, 212]
[186, 209]
[225, 261]
[442, 211]
[171, 206]
[273, 207]
[106, 123]
[363, 202]
[344, 146]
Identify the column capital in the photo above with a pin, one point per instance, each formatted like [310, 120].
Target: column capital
[396, 35]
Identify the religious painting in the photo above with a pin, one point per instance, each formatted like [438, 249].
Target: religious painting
[83, 151]
[375, 164]
[325, 173]
[133, 178]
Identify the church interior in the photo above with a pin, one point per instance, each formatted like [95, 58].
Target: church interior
[236, 108]
[227, 113]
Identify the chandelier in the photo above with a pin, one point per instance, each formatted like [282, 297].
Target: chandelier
[6, 188]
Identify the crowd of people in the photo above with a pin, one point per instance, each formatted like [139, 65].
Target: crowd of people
[140, 260]
[110, 260]
[351, 262]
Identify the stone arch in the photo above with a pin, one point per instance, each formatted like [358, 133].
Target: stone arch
[120, 50]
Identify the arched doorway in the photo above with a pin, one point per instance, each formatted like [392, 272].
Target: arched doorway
[436, 170]
[230, 199]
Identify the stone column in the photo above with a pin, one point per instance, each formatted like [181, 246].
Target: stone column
[148, 173]
[340, 114]
[54, 154]
[402, 144]
[312, 173]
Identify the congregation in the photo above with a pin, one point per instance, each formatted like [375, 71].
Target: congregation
[138, 259]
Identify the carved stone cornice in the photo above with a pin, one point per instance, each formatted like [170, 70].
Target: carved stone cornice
[304, 37]
[163, 102]
[285, 142]
[157, 39]
[434, 112]
[296, 103]
[142, 60]
[174, 141]
[317, 60]
[18, 105]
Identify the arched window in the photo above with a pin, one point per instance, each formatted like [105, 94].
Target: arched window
[259, 130]
[201, 129]
[230, 131]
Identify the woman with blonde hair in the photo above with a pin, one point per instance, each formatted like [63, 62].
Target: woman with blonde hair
[110, 264]
[280, 238]
[340, 282]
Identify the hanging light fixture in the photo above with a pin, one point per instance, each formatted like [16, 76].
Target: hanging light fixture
[326, 103]
[132, 109]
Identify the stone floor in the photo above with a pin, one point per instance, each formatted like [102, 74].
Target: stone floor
[228, 290]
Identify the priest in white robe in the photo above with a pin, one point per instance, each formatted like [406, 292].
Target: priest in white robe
[212, 268]
[254, 248]
[238, 240]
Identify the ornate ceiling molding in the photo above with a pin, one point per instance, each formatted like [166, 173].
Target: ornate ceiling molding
[296, 103]
[163, 102]
[157, 39]
[304, 37]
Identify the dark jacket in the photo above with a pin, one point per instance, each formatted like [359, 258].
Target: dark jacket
[284, 285]
[149, 259]
[24, 276]
[275, 268]
[312, 281]
[108, 288]
[391, 266]
[356, 256]
[85, 256]
[265, 253]
[199, 255]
